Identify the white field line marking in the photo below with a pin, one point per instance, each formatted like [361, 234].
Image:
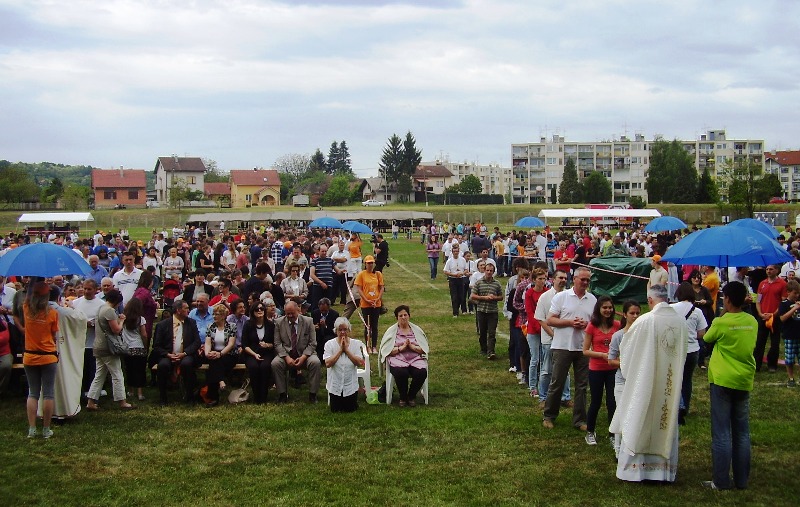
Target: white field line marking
[415, 274]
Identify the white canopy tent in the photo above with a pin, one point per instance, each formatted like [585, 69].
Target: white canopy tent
[598, 212]
[59, 223]
[55, 217]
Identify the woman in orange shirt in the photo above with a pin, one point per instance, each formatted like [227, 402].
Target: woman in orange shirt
[370, 285]
[41, 355]
[354, 249]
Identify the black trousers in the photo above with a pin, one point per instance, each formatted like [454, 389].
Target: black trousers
[135, 371]
[188, 367]
[457, 295]
[344, 403]
[260, 376]
[339, 288]
[761, 344]
[599, 381]
[371, 316]
[217, 370]
[88, 370]
[401, 376]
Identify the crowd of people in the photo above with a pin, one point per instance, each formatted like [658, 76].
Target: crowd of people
[553, 328]
[264, 298]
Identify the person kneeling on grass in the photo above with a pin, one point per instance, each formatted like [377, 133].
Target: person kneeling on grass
[343, 356]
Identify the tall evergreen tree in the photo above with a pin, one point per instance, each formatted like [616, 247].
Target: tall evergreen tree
[392, 160]
[707, 192]
[333, 158]
[318, 162]
[570, 191]
[344, 164]
[411, 160]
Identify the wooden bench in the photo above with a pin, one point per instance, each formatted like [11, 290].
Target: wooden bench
[239, 366]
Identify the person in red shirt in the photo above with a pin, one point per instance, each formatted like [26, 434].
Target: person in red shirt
[597, 338]
[771, 291]
[534, 327]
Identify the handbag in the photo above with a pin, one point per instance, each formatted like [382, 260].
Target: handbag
[240, 395]
[117, 345]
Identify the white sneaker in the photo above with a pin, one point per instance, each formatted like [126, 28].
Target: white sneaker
[513, 369]
[47, 433]
[32, 433]
[590, 438]
[519, 375]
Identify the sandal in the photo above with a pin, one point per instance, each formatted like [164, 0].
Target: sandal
[93, 408]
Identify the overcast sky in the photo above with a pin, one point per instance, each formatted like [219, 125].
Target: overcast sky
[113, 82]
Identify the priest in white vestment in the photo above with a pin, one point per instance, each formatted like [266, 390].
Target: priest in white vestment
[71, 340]
[651, 358]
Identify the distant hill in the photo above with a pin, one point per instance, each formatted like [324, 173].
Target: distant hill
[43, 173]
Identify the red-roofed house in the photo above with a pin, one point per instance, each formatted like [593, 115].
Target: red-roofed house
[786, 166]
[250, 187]
[168, 170]
[118, 186]
[219, 191]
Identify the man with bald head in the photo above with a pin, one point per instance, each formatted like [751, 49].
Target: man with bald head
[295, 347]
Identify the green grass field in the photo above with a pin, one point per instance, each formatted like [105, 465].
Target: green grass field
[479, 442]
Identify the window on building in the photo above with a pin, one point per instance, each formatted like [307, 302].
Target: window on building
[192, 180]
[551, 160]
[133, 195]
[110, 194]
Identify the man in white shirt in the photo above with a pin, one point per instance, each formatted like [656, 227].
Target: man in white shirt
[541, 245]
[455, 269]
[127, 279]
[546, 358]
[568, 317]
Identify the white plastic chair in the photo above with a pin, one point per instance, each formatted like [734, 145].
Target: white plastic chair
[390, 384]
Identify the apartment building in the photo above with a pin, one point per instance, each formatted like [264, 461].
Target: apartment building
[538, 168]
[786, 165]
[438, 175]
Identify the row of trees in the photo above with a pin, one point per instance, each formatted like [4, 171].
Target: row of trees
[673, 179]
[301, 173]
[399, 162]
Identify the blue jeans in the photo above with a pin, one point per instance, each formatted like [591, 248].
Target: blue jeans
[535, 345]
[433, 261]
[546, 371]
[730, 436]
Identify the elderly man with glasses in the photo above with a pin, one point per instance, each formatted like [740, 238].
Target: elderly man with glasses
[568, 317]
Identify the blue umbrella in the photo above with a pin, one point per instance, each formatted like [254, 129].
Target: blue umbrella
[529, 222]
[665, 223]
[357, 227]
[727, 247]
[43, 259]
[326, 223]
[758, 225]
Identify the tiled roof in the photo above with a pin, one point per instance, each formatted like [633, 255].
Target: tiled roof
[182, 164]
[432, 171]
[261, 177]
[221, 188]
[116, 178]
[784, 157]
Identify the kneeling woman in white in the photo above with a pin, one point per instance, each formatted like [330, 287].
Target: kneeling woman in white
[342, 357]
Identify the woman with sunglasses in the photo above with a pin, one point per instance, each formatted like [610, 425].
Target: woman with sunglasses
[259, 349]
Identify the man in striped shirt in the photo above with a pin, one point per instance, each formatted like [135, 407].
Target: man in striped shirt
[321, 277]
